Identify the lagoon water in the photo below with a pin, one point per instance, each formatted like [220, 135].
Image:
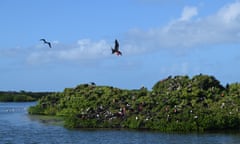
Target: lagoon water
[17, 127]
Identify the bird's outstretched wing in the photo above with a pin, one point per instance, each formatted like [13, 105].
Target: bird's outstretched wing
[49, 44]
[116, 47]
[43, 40]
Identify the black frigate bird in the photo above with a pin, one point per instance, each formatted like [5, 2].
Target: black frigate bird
[46, 42]
[116, 49]
[92, 83]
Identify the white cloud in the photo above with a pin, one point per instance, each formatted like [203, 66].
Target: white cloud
[188, 13]
[84, 49]
[222, 27]
[230, 13]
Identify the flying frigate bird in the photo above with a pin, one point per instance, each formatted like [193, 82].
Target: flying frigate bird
[116, 48]
[46, 42]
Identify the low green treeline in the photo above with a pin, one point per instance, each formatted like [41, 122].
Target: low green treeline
[176, 103]
[22, 96]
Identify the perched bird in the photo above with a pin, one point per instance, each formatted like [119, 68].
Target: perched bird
[116, 49]
[92, 83]
[46, 42]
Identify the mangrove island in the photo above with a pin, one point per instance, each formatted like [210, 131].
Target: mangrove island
[176, 103]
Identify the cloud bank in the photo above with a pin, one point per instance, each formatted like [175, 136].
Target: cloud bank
[190, 30]
[84, 49]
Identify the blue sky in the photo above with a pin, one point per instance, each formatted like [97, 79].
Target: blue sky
[158, 38]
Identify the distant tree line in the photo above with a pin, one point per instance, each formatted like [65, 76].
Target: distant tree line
[22, 96]
[176, 103]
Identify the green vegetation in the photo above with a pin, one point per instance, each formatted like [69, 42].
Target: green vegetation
[176, 103]
[22, 96]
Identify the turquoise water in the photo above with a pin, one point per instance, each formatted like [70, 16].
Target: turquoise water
[16, 127]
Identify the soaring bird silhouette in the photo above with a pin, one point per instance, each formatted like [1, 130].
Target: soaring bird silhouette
[116, 48]
[46, 42]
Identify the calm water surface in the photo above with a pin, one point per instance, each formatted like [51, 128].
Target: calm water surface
[16, 127]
